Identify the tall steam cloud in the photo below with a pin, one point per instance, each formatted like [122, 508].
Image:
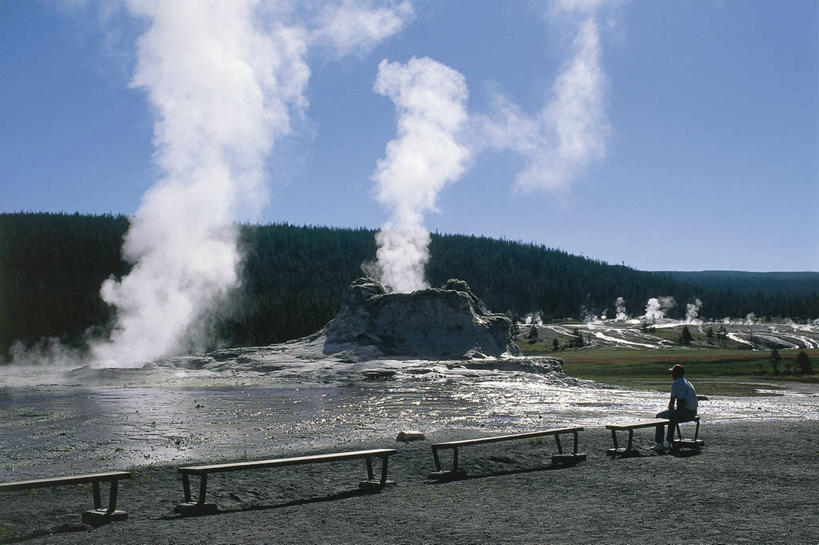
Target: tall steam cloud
[425, 156]
[657, 307]
[224, 78]
[572, 128]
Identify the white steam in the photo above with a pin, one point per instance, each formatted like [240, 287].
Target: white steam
[621, 315]
[589, 317]
[557, 142]
[224, 78]
[692, 312]
[657, 307]
[532, 319]
[572, 129]
[425, 156]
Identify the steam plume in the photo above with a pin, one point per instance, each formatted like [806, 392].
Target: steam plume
[572, 128]
[692, 311]
[621, 309]
[224, 79]
[533, 319]
[656, 308]
[426, 155]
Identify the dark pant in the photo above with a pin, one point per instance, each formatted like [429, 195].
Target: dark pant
[675, 415]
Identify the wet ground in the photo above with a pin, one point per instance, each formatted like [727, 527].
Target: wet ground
[63, 422]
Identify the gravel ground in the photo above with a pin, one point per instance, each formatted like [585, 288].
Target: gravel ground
[754, 482]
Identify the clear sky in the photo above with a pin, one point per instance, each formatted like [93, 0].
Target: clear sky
[710, 141]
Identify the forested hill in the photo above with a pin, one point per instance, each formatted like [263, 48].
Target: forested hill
[794, 283]
[52, 265]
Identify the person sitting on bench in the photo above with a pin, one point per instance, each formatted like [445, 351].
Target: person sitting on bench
[683, 392]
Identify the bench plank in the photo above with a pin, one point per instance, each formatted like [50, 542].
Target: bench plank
[298, 460]
[638, 424]
[60, 481]
[493, 439]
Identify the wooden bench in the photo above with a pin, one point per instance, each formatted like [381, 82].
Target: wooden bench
[199, 507]
[96, 516]
[629, 450]
[630, 427]
[559, 458]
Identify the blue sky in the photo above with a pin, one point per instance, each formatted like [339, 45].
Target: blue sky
[710, 161]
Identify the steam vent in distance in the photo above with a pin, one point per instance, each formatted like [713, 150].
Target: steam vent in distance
[445, 323]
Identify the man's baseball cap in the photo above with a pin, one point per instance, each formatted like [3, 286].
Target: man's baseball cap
[677, 369]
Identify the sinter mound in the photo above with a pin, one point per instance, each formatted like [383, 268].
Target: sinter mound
[449, 322]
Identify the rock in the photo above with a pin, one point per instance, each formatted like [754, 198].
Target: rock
[406, 436]
[446, 323]
[378, 374]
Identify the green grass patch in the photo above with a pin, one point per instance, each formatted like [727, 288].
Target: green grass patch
[718, 371]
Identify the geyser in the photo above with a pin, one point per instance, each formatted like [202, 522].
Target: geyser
[449, 322]
[426, 155]
[225, 79]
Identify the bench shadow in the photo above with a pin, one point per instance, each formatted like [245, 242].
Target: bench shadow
[35, 534]
[26, 537]
[648, 453]
[468, 477]
[685, 453]
[352, 493]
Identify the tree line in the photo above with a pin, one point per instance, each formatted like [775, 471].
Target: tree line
[294, 279]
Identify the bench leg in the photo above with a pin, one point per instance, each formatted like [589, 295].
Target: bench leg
[370, 475]
[567, 459]
[613, 451]
[384, 462]
[112, 498]
[623, 452]
[694, 443]
[198, 507]
[95, 489]
[203, 488]
[186, 487]
[440, 473]
[99, 516]
[371, 483]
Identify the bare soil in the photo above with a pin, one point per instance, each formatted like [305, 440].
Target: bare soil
[754, 482]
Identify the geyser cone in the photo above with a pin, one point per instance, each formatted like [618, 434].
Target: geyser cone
[449, 322]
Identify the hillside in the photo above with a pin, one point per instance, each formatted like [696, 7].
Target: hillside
[793, 283]
[51, 267]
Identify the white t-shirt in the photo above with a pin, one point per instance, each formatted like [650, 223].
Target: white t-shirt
[682, 389]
